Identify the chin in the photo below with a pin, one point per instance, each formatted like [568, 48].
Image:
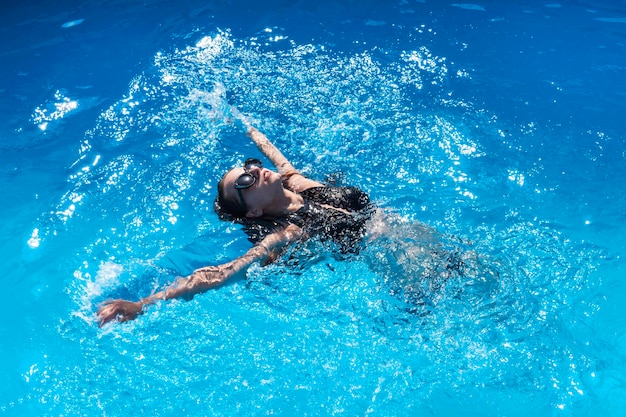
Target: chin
[275, 176]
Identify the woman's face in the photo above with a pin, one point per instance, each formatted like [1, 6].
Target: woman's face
[258, 197]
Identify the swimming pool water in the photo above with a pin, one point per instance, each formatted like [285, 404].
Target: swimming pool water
[497, 124]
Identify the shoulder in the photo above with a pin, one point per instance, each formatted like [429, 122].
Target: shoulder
[298, 183]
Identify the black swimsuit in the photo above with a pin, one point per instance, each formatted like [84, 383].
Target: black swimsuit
[335, 213]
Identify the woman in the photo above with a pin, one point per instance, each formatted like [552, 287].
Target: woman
[276, 209]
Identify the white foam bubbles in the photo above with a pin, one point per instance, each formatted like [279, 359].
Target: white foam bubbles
[107, 277]
[34, 240]
[516, 177]
[56, 110]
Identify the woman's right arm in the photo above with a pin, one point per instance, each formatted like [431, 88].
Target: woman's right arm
[270, 150]
[265, 145]
[200, 280]
[297, 182]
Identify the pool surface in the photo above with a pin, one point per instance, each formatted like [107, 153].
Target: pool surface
[496, 126]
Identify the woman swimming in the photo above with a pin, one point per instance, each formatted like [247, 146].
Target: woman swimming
[276, 209]
[280, 208]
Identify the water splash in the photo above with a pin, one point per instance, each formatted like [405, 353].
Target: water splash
[141, 191]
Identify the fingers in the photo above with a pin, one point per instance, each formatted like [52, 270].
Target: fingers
[104, 319]
[113, 316]
[106, 314]
[108, 311]
[120, 310]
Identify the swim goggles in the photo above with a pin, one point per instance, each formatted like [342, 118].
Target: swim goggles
[246, 180]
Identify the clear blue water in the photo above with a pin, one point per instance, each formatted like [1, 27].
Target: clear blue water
[500, 125]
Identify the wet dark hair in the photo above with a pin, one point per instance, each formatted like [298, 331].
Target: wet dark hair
[227, 209]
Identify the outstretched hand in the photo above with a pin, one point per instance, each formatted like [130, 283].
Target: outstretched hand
[120, 310]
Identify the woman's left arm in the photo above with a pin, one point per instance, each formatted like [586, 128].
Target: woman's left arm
[201, 280]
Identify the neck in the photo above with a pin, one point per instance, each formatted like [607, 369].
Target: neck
[289, 203]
